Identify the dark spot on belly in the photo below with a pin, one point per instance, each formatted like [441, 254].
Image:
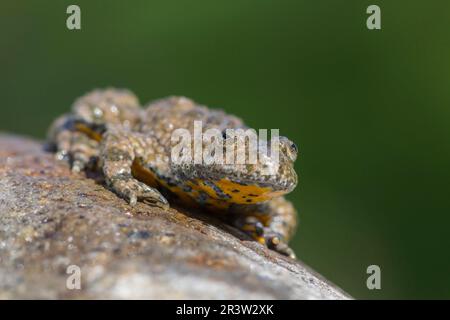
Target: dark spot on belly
[249, 200]
[235, 191]
[202, 197]
[170, 183]
[187, 189]
[219, 192]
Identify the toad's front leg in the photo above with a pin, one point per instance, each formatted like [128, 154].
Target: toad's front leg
[120, 148]
[75, 142]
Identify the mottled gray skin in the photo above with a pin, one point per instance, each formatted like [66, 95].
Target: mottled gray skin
[107, 130]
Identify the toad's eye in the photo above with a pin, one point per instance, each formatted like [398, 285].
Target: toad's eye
[294, 148]
[224, 134]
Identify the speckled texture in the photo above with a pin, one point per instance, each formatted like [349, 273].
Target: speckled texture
[51, 217]
[107, 131]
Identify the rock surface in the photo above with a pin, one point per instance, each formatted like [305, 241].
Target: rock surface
[51, 218]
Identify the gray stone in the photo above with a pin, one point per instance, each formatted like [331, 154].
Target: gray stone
[51, 218]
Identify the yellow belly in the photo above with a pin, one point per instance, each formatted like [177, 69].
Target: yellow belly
[237, 193]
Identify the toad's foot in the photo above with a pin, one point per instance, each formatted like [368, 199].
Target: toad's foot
[133, 190]
[271, 224]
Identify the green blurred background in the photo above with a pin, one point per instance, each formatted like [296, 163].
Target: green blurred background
[369, 110]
